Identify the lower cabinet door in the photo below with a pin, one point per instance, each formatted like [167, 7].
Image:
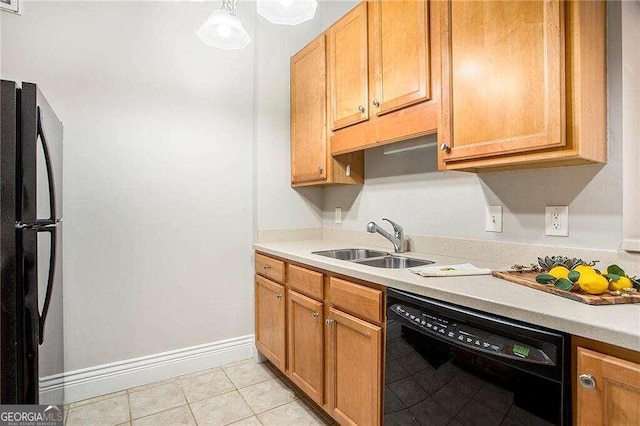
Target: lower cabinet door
[354, 368]
[306, 345]
[270, 321]
[608, 390]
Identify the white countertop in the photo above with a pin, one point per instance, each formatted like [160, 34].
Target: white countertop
[615, 324]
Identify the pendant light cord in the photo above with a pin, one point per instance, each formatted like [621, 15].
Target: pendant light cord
[229, 6]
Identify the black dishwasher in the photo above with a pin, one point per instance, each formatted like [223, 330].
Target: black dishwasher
[450, 365]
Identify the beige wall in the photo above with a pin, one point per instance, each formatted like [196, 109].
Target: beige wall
[158, 190]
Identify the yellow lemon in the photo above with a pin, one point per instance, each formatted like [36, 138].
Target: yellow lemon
[584, 269]
[593, 283]
[559, 272]
[623, 282]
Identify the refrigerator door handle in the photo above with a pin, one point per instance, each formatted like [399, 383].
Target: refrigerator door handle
[52, 273]
[50, 178]
[47, 225]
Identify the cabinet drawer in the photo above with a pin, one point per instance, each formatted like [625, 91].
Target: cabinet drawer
[305, 281]
[270, 268]
[359, 300]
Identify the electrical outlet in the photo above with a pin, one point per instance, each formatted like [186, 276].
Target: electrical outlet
[557, 221]
[493, 219]
[338, 217]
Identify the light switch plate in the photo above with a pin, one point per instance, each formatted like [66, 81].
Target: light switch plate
[557, 221]
[338, 215]
[493, 219]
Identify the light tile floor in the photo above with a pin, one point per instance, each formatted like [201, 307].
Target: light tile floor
[242, 393]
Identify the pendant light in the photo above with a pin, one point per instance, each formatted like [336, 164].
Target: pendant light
[287, 12]
[223, 28]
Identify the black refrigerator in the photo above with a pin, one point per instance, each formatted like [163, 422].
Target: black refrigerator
[31, 321]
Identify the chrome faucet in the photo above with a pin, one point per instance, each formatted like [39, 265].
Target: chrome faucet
[397, 239]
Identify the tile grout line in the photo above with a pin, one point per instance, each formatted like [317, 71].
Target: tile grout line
[272, 374]
[193, 415]
[159, 412]
[236, 389]
[82, 402]
[273, 377]
[129, 408]
[162, 383]
[307, 405]
[151, 385]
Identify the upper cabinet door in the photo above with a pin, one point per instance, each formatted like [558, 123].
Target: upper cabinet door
[503, 88]
[348, 69]
[309, 113]
[400, 52]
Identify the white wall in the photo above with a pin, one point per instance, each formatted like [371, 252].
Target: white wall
[408, 188]
[277, 205]
[631, 122]
[175, 152]
[158, 169]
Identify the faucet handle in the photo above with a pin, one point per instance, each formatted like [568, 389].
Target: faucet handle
[396, 228]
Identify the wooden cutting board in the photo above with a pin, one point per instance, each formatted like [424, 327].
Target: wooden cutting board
[529, 279]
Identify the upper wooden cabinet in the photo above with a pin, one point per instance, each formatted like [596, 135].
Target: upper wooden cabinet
[400, 72]
[608, 390]
[311, 161]
[308, 113]
[398, 85]
[348, 70]
[522, 84]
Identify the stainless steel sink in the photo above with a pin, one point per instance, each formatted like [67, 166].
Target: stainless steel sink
[375, 258]
[351, 254]
[394, 262]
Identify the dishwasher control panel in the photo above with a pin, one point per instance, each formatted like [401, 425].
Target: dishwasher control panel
[469, 337]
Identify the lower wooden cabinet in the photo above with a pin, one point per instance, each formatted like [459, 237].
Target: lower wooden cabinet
[354, 369]
[270, 320]
[332, 330]
[608, 390]
[329, 342]
[306, 345]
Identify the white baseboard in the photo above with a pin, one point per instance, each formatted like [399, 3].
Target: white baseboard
[107, 378]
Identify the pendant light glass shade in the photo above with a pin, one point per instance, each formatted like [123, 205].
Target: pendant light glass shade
[287, 12]
[223, 28]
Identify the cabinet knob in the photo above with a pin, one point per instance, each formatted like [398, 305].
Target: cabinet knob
[444, 147]
[587, 381]
[328, 321]
[320, 169]
[361, 108]
[278, 295]
[376, 103]
[265, 267]
[315, 315]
